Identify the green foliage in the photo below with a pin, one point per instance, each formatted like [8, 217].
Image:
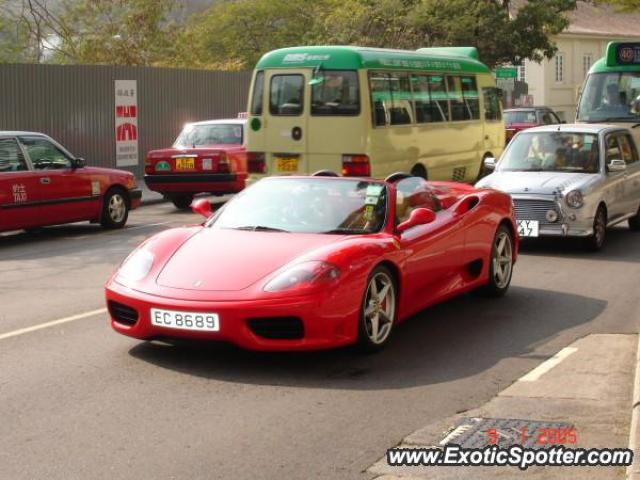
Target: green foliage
[15, 46]
[117, 32]
[235, 34]
[623, 5]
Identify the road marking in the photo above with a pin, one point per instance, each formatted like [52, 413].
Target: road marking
[547, 365]
[53, 323]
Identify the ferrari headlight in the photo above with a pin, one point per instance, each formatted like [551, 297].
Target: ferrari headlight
[303, 276]
[574, 199]
[137, 265]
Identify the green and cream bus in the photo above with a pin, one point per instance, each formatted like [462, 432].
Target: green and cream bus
[611, 91]
[434, 112]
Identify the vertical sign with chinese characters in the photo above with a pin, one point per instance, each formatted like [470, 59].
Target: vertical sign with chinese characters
[126, 110]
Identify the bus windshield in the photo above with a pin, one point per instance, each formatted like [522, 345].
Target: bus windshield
[611, 97]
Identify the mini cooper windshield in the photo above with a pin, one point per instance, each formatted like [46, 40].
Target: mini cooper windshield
[307, 205]
[552, 151]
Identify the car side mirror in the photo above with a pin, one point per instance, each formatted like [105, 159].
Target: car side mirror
[490, 163]
[419, 216]
[202, 207]
[78, 162]
[617, 166]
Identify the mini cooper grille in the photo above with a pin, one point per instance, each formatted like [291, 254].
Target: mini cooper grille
[123, 314]
[527, 209]
[277, 328]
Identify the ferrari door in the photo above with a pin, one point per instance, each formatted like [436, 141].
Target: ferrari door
[19, 194]
[434, 250]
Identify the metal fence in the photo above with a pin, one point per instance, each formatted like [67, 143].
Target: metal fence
[75, 104]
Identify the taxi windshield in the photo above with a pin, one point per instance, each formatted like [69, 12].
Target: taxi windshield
[210, 134]
[552, 151]
[313, 205]
[611, 97]
[519, 116]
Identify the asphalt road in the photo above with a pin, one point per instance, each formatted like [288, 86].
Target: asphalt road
[79, 401]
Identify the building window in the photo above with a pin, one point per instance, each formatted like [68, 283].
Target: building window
[587, 59]
[522, 73]
[560, 67]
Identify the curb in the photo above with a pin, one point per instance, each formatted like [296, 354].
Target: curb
[633, 471]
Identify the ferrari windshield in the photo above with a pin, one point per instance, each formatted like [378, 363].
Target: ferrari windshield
[552, 151]
[611, 97]
[210, 134]
[307, 205]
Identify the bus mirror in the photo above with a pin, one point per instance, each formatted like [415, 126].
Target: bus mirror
[316, 80]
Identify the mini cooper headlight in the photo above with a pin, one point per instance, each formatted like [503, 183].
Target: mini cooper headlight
[137, 265]
[574, 199]
[302, 276]
[551, 216]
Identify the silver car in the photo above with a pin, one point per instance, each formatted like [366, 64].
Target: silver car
[570, 180]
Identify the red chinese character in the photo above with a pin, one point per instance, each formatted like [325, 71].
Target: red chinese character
[126, 131]
[126, 111]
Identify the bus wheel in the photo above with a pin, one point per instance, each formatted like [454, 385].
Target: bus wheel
[418, 170]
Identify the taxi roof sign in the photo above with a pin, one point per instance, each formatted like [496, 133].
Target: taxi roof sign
[623, 54]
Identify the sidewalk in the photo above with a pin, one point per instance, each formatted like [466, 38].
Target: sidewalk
[589, 384]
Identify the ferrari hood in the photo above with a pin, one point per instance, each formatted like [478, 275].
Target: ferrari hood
[535, 182]
[231, 260]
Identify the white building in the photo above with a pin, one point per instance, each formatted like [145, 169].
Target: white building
[555, 83]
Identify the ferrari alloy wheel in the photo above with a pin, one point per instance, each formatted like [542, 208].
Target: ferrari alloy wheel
[501, 263]
[595, 241]
[115, 209]
[182, 202]
[378, 310]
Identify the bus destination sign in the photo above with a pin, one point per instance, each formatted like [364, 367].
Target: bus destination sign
[628, 54]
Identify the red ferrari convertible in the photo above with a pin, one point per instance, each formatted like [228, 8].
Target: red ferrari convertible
[303, 263]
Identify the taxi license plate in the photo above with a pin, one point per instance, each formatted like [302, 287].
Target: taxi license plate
[198, 321]
[187, 163]
[528, 228]
[287, 164]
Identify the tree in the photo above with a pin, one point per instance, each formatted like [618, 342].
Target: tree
[501, 34]
[15, 44]
[117, 32]
[622, 5]
[235, 34]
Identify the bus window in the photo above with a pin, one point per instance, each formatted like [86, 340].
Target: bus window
[439, 102]
[420, 87]
[286, 94]
[401, 112]
[258, 93]
[336, 94]
[491, 104]
[459, 110]
[391, 99]
[470, 96]
[380, 97]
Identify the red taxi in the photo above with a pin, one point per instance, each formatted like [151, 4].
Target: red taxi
[42, 183]
[207, 157]
[521, 118]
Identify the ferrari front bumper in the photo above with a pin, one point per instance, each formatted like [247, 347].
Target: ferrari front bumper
[322, 326]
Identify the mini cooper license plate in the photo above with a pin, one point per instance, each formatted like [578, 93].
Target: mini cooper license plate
[287, 164]
[528, 228]
[198, 321]
[186, 163]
